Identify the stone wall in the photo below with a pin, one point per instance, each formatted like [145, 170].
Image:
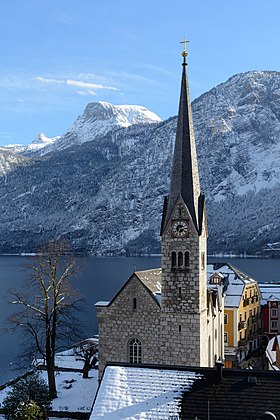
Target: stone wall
[120, 322]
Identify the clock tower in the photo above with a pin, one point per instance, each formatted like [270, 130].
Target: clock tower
[183, 238]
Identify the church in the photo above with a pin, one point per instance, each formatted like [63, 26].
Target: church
[170, 315]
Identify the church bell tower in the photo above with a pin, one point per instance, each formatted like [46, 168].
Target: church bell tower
[184, 253]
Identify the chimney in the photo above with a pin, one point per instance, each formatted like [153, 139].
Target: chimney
[219, 371]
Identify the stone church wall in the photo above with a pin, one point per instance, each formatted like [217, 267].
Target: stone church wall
[120, 322]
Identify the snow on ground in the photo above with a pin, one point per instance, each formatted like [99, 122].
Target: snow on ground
[141, 393]
[75, 394]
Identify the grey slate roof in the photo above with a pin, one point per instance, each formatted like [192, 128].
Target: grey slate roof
[151, 279]
[235, 397]
[184, 176]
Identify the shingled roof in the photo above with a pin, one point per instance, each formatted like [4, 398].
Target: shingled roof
[241, 395]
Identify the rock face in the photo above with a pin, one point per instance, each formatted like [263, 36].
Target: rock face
[102, 183]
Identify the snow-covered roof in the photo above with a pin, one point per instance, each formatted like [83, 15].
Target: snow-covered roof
[128, 392]
[234, 281]
[102, 303]
[271, 354]
[270, 292]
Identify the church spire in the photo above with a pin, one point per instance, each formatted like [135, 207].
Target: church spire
[184, 175]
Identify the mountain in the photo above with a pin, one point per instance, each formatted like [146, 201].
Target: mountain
[9, 160]
[101, 185]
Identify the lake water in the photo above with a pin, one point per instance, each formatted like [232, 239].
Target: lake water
[99, 279]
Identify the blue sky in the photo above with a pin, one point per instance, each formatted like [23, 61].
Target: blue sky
[59, 55]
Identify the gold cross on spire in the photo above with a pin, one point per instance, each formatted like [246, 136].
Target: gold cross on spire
[184, 53]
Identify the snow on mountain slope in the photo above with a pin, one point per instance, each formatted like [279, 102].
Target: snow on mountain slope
[238, 130]
[98, 119]
[9, 160]
[106, 195]
[37, 145]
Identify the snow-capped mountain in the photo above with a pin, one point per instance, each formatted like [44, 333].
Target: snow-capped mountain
[98, 119]
[9, 160]
[238, 130]
[37, 146]
[105, 192]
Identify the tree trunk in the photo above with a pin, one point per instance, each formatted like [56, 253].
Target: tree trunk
[86, 369]
[51, 379]
[50, 362]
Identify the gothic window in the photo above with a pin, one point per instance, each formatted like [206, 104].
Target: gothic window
[180, 259]
[173, 259]
[187, 259]
[135, 351]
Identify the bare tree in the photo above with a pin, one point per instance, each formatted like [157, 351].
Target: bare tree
[49, 303]
[86, 351]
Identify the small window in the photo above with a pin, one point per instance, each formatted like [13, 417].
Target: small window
[225, 319]
[173, 259]
[187, 259]
[240, 317]
[225, 337]
[180, 291]
[135, 351]
[180, 328]
[245, 316]
[274, 325]
[274, 312]
[180, 259]
[134, 304]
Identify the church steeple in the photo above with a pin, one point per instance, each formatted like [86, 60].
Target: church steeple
[184, 175]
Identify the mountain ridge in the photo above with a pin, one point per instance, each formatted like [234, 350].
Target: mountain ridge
[106, 195]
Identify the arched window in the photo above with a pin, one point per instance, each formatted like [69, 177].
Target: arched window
[180, 259]
[187, 259]
[135, 351]
[173, 259]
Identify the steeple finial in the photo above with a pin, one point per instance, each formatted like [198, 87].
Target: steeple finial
[184, 53]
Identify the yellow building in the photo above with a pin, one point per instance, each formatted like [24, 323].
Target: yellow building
[242, 311]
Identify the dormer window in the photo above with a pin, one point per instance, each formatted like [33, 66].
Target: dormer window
[216, 278]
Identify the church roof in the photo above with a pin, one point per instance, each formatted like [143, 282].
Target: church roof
[184, 175]
[151, 279]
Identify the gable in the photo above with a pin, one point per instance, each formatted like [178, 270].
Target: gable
[134, 288]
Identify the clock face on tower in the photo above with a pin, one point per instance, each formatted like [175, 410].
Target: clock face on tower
[180, 228]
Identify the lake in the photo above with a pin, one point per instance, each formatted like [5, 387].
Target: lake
[99, 279]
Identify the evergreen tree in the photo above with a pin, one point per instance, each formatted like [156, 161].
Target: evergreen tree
[27, 398]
